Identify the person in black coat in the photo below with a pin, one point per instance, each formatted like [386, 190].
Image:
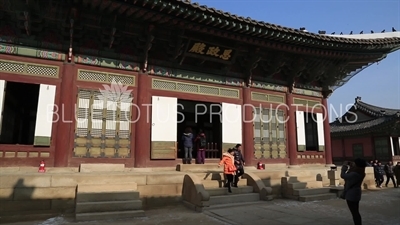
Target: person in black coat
[353, 174]
[389, 167]
[239, 163]
[379, 172]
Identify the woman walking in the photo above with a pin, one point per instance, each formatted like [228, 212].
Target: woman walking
[353, 174]
[228, 160]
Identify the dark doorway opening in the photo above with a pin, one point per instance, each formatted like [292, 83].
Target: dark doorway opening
[396, 147]
[19, 113]
[197, 115]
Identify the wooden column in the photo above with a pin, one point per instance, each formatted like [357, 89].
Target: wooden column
[248, 141]
[327, 132]
[66, 116]
[143, 125]
[291, 127]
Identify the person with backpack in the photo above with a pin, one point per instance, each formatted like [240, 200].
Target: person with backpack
[201, 141]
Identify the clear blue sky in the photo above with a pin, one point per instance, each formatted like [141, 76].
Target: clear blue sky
[378, 84]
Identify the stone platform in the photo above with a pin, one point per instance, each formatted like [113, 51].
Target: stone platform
[41, 195]
[277, 212]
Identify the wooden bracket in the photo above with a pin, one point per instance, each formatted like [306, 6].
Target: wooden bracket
[147, 46]
[253, 59]
[113, 30]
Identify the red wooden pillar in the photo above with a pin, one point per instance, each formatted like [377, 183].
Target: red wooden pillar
[143, 125]
[291, 127]
[248, 141]
[327, 132]
[66, 115]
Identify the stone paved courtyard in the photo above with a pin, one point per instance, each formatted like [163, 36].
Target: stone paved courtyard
[377, 207]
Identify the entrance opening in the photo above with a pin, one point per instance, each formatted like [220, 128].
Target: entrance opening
[198, 116]
[19, 113]
[396, 147]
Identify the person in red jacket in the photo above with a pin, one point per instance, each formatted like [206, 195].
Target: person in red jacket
[228, 160]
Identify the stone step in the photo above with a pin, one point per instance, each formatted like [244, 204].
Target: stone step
[108, 206]
[109, 215]
[207, 167]
[101, 167]
[22, 216]
[304, 185]
[295, 179]
[310, 198]
[211, 176]
[235, 190]
[234, 198]
[110, 196]
[220, 183]
[95, 188]
[310, 191]
[204, 168]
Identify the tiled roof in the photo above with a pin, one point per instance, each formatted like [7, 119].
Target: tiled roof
[381, 116]
[257, 27]
[378, 111]
[345, 127]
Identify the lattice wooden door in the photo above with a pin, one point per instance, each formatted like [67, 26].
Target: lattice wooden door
[102, 127]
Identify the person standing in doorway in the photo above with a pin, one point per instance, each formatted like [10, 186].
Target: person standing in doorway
[390, 174]
[228, 160]
[353, 174]
[239, 163]
[396, 172]
[187, 139]
[201, 142]
[380, 174]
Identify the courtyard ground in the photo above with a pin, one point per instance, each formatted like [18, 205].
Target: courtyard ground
[376, 207]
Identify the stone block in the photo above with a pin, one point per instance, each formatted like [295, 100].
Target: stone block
[159, 190]
[94, 188]
[101, 167]
[109, 215]
[28, 205]
[107, 196]
[270, 174]
[333, 174]
[165, 179]
[6, 193]
[108, 206]
[25, 180]
[28, 193]
[63, 205]
[88, 178]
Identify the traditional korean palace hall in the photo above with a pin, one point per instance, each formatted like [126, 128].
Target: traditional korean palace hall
[166, 54]
[100, 92]
[366, 131]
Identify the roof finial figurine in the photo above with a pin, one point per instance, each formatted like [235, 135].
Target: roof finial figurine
[372, 31]
[393, 30]
[341, 33]
[351, 32]
[361, 32]
[383, 31]
[333, 33]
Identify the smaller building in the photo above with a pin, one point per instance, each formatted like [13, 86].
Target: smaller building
[366, 131]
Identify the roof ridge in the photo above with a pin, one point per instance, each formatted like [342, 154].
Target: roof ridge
[322, 37]
[368, 104]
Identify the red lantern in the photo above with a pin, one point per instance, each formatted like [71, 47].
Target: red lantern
[42, 167]
[260, 166]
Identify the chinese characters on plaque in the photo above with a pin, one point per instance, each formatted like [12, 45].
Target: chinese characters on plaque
[210, 50]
